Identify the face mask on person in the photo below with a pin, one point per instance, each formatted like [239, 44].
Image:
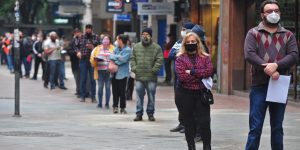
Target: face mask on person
[273, 18]
[183, 34]
[116, 44]
[191, 47]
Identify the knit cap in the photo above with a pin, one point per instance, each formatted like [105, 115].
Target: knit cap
[199, 31]
[148, 30]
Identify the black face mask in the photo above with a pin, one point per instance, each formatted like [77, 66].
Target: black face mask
[191, 47]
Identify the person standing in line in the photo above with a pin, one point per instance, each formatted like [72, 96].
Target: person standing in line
[7, 48]
[87, 42]
[192, 65]
[146, 60]
[130, 80]
[100, 59]
[75, 60]
[269, 59]
[38, 50]
[121, 57]
[52, 49]
[170, 41]
[186, 27]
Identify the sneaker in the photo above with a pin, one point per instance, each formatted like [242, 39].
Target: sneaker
[177, 128]
[106, 106]
[116, 110]
[123, 111]
[138, 118]
[99, 106]
[82, 100]
[182, 130]
[62, 87]
[151, 118]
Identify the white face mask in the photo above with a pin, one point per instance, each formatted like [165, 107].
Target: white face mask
[183, 34]
[273, 17]
[116, 43]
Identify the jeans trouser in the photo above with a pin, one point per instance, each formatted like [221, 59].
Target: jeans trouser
[54, 66]
[150, 87]
[27, 66]
[103, 80]
[10, 65]
[86, 70]
[258, 108]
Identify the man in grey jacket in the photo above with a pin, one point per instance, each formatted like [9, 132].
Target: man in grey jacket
[271, 50]
[146, 61]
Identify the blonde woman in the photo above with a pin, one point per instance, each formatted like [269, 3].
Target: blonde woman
[192, 65]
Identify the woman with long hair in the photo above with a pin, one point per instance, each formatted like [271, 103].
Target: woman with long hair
[100, 58]
[192, 65]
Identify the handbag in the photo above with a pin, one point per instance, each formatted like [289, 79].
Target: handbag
[207, 97]
[112, 67]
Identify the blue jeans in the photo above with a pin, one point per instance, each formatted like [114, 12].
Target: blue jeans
[10, 62]
[258, 107]
[150, 87]
[103, 79]
[27, 66]
[54, 66]
[85, 70]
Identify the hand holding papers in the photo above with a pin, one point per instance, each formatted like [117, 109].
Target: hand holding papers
[99, 58]
[278, 89]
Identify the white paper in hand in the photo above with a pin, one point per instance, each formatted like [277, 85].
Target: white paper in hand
[278, 89]
[208, 82]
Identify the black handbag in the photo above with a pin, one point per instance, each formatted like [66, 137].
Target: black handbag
[207, 97]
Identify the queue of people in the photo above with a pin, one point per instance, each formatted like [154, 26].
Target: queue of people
[117, 65]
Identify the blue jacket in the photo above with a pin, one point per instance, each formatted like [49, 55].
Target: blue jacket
[174, 50]
[121, 58]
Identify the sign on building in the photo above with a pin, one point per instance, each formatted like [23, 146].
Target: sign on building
[155, 8]
[115, 6]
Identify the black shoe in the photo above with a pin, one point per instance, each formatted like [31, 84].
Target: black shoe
[198, 138]
[206, 147]
[182, 130]
[123, 111]
[177, 129]
[116, 110]
[151, 118]
[94, 100]
[138, 118]
[62, 87]
[34, 78]
[46, 86]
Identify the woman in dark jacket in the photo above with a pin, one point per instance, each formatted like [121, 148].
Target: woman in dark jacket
[192, 65]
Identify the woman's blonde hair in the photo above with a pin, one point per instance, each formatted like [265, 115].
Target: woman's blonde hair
[200, 48]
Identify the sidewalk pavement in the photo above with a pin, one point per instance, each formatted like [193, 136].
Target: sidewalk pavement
[56, 120]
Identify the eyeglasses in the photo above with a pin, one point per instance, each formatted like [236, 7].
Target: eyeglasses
[269, 11]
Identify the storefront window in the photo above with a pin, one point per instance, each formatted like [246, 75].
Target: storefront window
[209, 14]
